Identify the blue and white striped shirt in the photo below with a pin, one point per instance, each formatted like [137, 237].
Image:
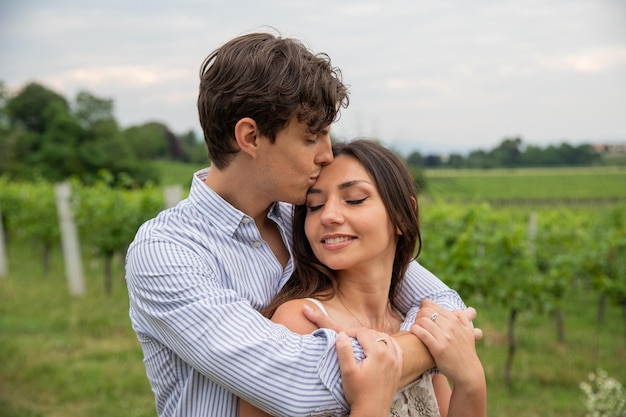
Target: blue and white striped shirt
[197, 275]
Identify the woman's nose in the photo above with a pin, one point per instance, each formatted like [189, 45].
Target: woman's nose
[331, 213]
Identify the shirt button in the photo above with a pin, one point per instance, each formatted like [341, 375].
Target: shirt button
[257, 244]
[246, 220]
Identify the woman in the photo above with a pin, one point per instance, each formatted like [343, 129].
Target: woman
[353, 240]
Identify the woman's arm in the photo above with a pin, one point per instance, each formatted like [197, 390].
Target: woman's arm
[443, 392]
[456, 358]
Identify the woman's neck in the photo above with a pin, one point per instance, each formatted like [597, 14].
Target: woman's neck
[365, 300]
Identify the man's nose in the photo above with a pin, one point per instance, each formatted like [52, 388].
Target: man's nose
[325, 156]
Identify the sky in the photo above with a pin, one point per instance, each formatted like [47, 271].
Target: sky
[433, 76]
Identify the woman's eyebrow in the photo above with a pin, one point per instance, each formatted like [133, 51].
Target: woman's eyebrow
[341, 186]
[348, 184]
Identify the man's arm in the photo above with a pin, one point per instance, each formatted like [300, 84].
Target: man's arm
[369, 385]
[418, 284]
[178, 307]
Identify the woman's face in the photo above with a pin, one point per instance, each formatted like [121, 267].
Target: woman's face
[347, 224]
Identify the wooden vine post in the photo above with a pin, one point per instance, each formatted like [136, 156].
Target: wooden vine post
[69, 240]
[4, 260]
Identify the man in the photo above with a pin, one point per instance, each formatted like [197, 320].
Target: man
[198, 273]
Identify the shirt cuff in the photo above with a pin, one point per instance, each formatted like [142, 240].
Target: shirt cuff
[328, 367]
[450, 300]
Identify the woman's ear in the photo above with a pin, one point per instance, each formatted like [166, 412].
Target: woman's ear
[246, 134]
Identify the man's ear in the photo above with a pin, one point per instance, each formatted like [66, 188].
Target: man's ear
[246, 134]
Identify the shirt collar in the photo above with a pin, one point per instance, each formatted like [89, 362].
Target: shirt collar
[220, 212]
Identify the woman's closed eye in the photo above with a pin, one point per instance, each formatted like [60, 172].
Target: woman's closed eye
[314, 208]
[357, 201]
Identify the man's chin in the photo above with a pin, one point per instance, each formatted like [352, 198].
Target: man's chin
[298, 200]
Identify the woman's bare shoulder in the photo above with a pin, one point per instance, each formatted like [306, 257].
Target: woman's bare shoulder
[290, 314]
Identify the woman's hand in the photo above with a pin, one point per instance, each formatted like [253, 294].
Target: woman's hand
[370, 385]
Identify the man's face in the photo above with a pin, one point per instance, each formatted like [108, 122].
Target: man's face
[292, 163]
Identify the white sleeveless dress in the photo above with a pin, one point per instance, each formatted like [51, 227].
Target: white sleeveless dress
[415, 400]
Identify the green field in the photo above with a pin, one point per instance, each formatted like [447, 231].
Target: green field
[62, 356]
[529, 185]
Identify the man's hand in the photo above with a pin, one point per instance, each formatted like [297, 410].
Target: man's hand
[451, 340]
[369, 385]
[466, 316]
[321, 320]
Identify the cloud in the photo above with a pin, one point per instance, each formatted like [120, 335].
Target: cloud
[126, 76]
[591, 61]
[358, 9]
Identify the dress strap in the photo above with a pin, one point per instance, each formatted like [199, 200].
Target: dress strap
[319, 304]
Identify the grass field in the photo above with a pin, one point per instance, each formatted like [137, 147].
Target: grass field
[62, 356]
[541, 184]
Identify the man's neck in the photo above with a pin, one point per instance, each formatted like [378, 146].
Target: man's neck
[239, 191]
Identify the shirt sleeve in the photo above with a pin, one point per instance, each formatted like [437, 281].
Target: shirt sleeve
[419, 283]
[177, 300]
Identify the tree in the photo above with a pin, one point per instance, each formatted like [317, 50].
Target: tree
[104, 147]
[456, 161]
[7, 137]
[148, 141]
[30, 108]
[4, 117]
[415, 159]
[194, 147]
[58, 156]
[576, 155]
[508, 153]
[43, 136]
[480, 159]
[533, 156]
[91, 110]
[432, 161]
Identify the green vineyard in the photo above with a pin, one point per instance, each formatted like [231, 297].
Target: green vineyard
[542, 257]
